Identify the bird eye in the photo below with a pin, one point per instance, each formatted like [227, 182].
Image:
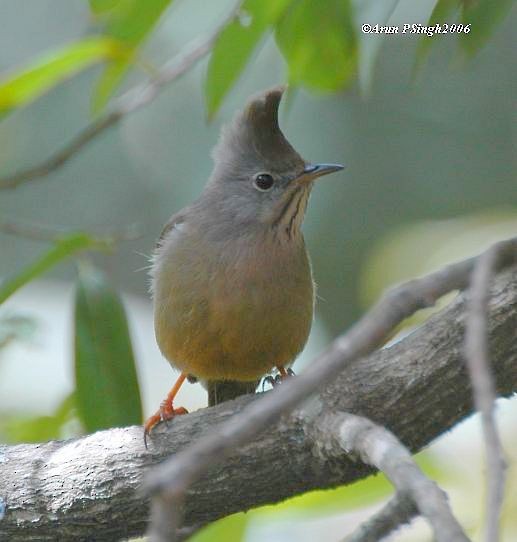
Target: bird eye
[263, 182]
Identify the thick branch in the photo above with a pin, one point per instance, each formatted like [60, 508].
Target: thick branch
[418, 388]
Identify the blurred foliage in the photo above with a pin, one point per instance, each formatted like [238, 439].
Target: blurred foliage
[230, 528]
[227, 61]
[319, 45]
[63, 248]
[422, 247]
[128, 22]
[107, 391]
[39, 428]
[483, 16]
[369, 45]
[100, 7]
[15, 327]
[31, 82]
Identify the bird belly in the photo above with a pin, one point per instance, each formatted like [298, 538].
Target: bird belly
[233, 321]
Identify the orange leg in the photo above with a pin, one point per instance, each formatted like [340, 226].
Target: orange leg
[166, 410]
[283, 372]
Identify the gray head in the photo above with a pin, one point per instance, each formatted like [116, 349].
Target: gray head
[258, 177]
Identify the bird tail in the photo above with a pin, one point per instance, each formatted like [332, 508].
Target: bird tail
[225, 390]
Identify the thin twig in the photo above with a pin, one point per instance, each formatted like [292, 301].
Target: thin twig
[46, 234]
[62, 156]
[165, 517]
[174, 476]
[130, 101]
[478, 364]
[341, 433]
[398, 511]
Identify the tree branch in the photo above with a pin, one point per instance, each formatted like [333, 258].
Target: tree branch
[418, 388]
[396, 512]
[341, 433]
[129, 102]
[400, 509]
[477, 359]
[46, 234]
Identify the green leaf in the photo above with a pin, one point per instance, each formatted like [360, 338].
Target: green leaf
[110, 78]
[106, 382]
[39, 428]
[100, 7]
[442, 12]
[235, 45]
[483, 17]
[61, 250]
[30, 83]
[132, 20]
[129, 22]
[318, 41]
[371, 12]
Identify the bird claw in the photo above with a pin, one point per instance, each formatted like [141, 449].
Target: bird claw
[277, 379]
[165, 413]
[269, 379]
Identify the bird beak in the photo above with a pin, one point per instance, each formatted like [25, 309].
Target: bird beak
[313, 171]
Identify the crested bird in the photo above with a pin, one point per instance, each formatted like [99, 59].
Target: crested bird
[231, 278]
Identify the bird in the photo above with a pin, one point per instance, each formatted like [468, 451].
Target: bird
[231, 279]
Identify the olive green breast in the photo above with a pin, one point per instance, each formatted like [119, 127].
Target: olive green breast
[224, 313]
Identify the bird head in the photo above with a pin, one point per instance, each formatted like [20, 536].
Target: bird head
[258, 174]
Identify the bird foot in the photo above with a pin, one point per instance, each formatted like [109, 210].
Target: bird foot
[281, 376]
[165, 413]
[277, 379]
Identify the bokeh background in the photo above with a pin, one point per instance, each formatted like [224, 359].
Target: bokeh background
[430, 178]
